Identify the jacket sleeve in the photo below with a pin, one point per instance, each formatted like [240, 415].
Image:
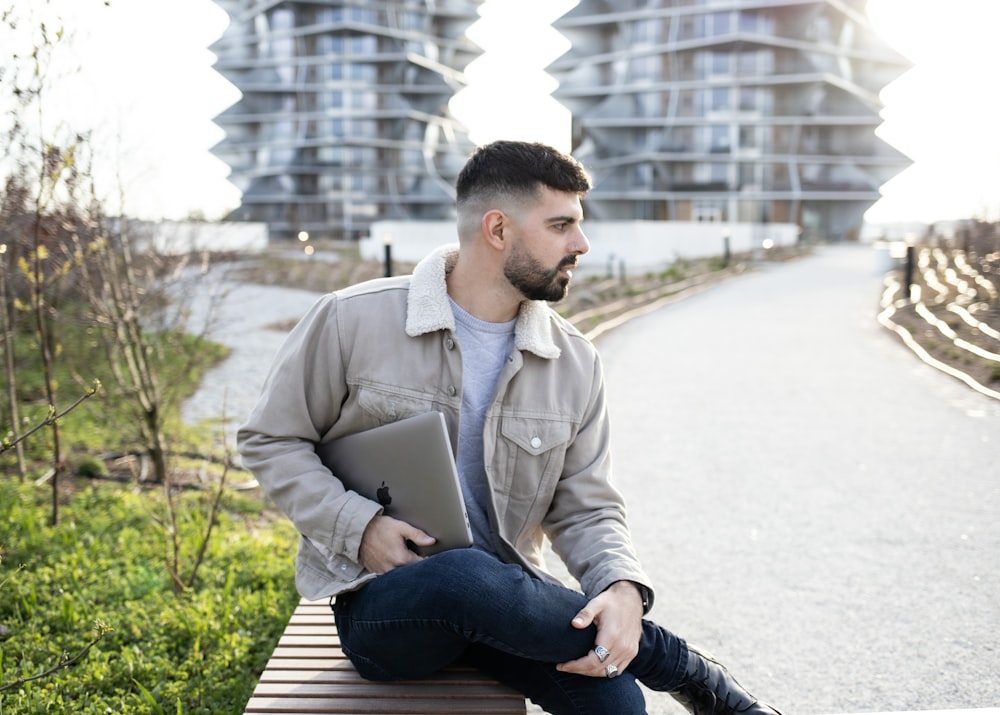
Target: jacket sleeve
[587, 521]
[299, 402]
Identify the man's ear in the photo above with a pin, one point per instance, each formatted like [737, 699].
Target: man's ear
[494, 222]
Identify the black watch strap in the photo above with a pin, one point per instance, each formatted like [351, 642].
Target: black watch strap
[647, 598]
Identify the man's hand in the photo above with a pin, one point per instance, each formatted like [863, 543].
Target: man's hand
[617, 613]
[384, 544]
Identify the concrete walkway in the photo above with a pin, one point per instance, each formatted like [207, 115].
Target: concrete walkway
[246, 320]
[815, 506]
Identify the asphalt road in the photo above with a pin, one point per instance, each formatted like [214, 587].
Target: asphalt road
[815, 506]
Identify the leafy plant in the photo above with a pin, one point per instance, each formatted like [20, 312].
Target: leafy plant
[197, 653]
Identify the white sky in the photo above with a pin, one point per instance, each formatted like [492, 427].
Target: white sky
[148, 89]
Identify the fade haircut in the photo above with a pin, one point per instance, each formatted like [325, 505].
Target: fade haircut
[512, 170]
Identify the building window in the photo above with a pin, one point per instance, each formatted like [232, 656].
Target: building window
[749, 138]
[746, 63]
[752, 22]
[749, 174]
[645, 32]
[645, 67]
[719, 23]
[689, 27]
[719, 99]
[719, 139]
[721, 63]
[648, 104]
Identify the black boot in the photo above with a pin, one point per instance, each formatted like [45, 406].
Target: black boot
[709, 689]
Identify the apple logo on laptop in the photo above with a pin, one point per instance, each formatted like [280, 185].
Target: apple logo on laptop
[382, 494]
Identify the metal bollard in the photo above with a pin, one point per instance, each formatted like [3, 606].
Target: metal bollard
[908, 273]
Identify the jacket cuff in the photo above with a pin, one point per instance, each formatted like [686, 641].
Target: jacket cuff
[351, 522]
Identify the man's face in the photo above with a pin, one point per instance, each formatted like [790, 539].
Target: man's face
[546, 240]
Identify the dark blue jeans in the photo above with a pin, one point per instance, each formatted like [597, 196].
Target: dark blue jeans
[466, 605]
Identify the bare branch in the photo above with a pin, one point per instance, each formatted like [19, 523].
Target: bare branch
[102, 630]
[52, 418]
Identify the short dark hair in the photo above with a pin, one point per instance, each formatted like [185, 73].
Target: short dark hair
[518, 168]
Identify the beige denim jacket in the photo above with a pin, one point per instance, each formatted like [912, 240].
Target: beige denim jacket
[385, 349]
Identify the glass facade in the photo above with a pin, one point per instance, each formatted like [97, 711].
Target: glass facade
[742, 110]
[344, 116]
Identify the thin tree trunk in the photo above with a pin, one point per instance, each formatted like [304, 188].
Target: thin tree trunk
[46, 354]
[9, 344]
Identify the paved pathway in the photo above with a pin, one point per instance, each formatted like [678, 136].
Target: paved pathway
[245, 320]
[815, 505]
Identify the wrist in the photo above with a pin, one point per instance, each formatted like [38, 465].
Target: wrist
[643, 594]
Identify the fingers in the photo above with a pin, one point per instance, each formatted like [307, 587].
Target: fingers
[384, 544]
[592, 666]
[618, 617]
[588, 665]
[418, 537]
[584, 618]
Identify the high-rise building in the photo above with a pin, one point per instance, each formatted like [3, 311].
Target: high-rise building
[344, 116]
[729, 110]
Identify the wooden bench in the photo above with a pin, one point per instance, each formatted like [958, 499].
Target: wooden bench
[308, 673]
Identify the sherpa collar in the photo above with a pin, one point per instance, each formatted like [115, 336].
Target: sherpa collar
[428, 308]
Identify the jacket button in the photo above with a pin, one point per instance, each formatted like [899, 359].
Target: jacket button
[452, 390]
[449, 343]
[536, 442]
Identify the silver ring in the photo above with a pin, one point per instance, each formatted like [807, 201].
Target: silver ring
[611, 669]
[601, 652]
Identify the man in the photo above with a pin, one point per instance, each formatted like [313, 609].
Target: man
[469, 334]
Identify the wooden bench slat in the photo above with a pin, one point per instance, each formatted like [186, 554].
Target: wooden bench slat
[323, 706]
[314, 624]
[295, 640]
[305, 619]
[278, 665]
[347, 674]
[317, 652]
[386, 691]
[306, 607]
[308, 674]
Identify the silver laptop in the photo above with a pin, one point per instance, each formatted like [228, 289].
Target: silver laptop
[408, 467]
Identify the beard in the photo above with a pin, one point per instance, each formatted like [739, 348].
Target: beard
[535, 281]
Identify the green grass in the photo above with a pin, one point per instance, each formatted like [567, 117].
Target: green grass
[198, 652]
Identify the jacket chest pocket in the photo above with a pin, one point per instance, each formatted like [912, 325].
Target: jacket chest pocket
[530, 453]
[381, 406]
